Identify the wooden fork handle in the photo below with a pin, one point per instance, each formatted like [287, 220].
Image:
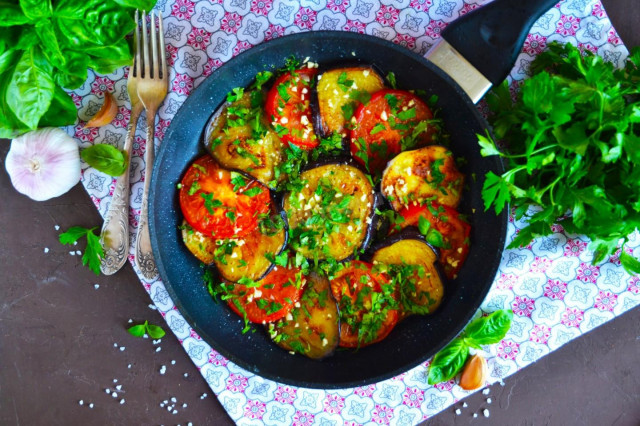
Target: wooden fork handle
[114, 236]
[144, 255]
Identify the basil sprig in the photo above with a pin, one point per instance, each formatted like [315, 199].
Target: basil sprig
[482, 331]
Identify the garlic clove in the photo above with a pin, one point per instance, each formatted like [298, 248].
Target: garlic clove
[44, 163]
[475, 373]
[106, 114]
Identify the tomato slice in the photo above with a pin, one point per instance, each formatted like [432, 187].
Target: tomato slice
[269, 299]
[385, 126]
[364, 318]
[221, 203]
[288, 104]
[455, 232]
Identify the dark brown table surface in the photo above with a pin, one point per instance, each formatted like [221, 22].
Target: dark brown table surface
[61, 338]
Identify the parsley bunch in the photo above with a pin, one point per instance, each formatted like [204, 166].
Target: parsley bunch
[573, 149]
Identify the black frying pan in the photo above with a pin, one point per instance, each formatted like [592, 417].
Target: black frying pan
[417, 338]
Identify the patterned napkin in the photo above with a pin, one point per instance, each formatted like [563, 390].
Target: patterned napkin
[554, 291]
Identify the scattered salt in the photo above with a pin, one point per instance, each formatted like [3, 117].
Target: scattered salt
[465, 405]
[115, 380]
[163, 370]
[173, 399]
[46, 249]
[475, 415]
[118, 387]
[122, 401]
[485, 412]
[91, 405]
[186, 374]
[158, 349]
[122, 348]
[486, 391]
[184, 405]
[173, 362]
[115, 345]
[130, 321]
[489, 400]
[81, 402]
[107, 390]
[174, 412]
[96, 286]
[114, 394]
[458, 412]
[72, 253]
[78, 252]
[57, 227]
[129, 366]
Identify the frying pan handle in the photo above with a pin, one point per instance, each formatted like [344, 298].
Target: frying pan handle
[491, 36]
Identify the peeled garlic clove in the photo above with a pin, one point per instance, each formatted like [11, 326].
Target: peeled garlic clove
[106, 114]
[474, 374]
[44, 163]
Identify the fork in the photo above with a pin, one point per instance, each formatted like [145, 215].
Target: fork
[152, 89]
[114, 236]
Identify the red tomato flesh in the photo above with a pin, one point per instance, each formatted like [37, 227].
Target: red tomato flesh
[363, 322]
[388, 118]
[210, 204]
[269, 299]
[288, 104]
[455, 233]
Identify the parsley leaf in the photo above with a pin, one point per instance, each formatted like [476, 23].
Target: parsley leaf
[571, 142]
[93, 253]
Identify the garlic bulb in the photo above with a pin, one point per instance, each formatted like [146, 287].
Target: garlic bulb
[43, 164]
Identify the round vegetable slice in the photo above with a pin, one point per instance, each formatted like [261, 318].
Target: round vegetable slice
[288, 103]
[391, 122]
[421, 175]
[368, 304]
[409, 262]
[221, 203]
[239, 137]
[331, 216]
[269, 299]
[312, 328]
[455, 232]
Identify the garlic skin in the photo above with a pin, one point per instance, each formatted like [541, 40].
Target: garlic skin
[44, 163]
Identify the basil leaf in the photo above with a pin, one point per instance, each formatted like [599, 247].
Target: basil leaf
[31, 88]
[11, 14]
[105, 158]
[490, 329]
[91, 24]
[50, 44]
[36, 9]
[73, 73]
[137, 4]
[137, 330]
[448, 362]
[61, 112]
[154, 331]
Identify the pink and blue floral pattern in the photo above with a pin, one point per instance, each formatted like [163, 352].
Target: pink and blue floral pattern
[554, 291]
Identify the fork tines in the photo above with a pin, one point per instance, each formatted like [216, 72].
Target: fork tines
[146, 66]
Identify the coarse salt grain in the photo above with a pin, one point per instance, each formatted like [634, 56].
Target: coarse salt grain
[174, 412]
[485, 412]
[118, 387]
[152, 306]
[130, 321]
[122, 348]
[122, 401]
[163, 369]
[489, 400]
[46, 249]
[465, 405]
[186, 374]
[81, 402]
[486, 391]
[107, 390]
[173, 362]
[184, 405]
[78, 252]
[129, 366]
[158, 349]
[115, 380]
[173, 399]
[475, 415]
[91, 405]
[114, 394]
[458, 412]
[57, 227]
[115, 345]
[96, 286]
[72, 253]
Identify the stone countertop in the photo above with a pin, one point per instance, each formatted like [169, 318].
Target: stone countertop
[62, 340]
